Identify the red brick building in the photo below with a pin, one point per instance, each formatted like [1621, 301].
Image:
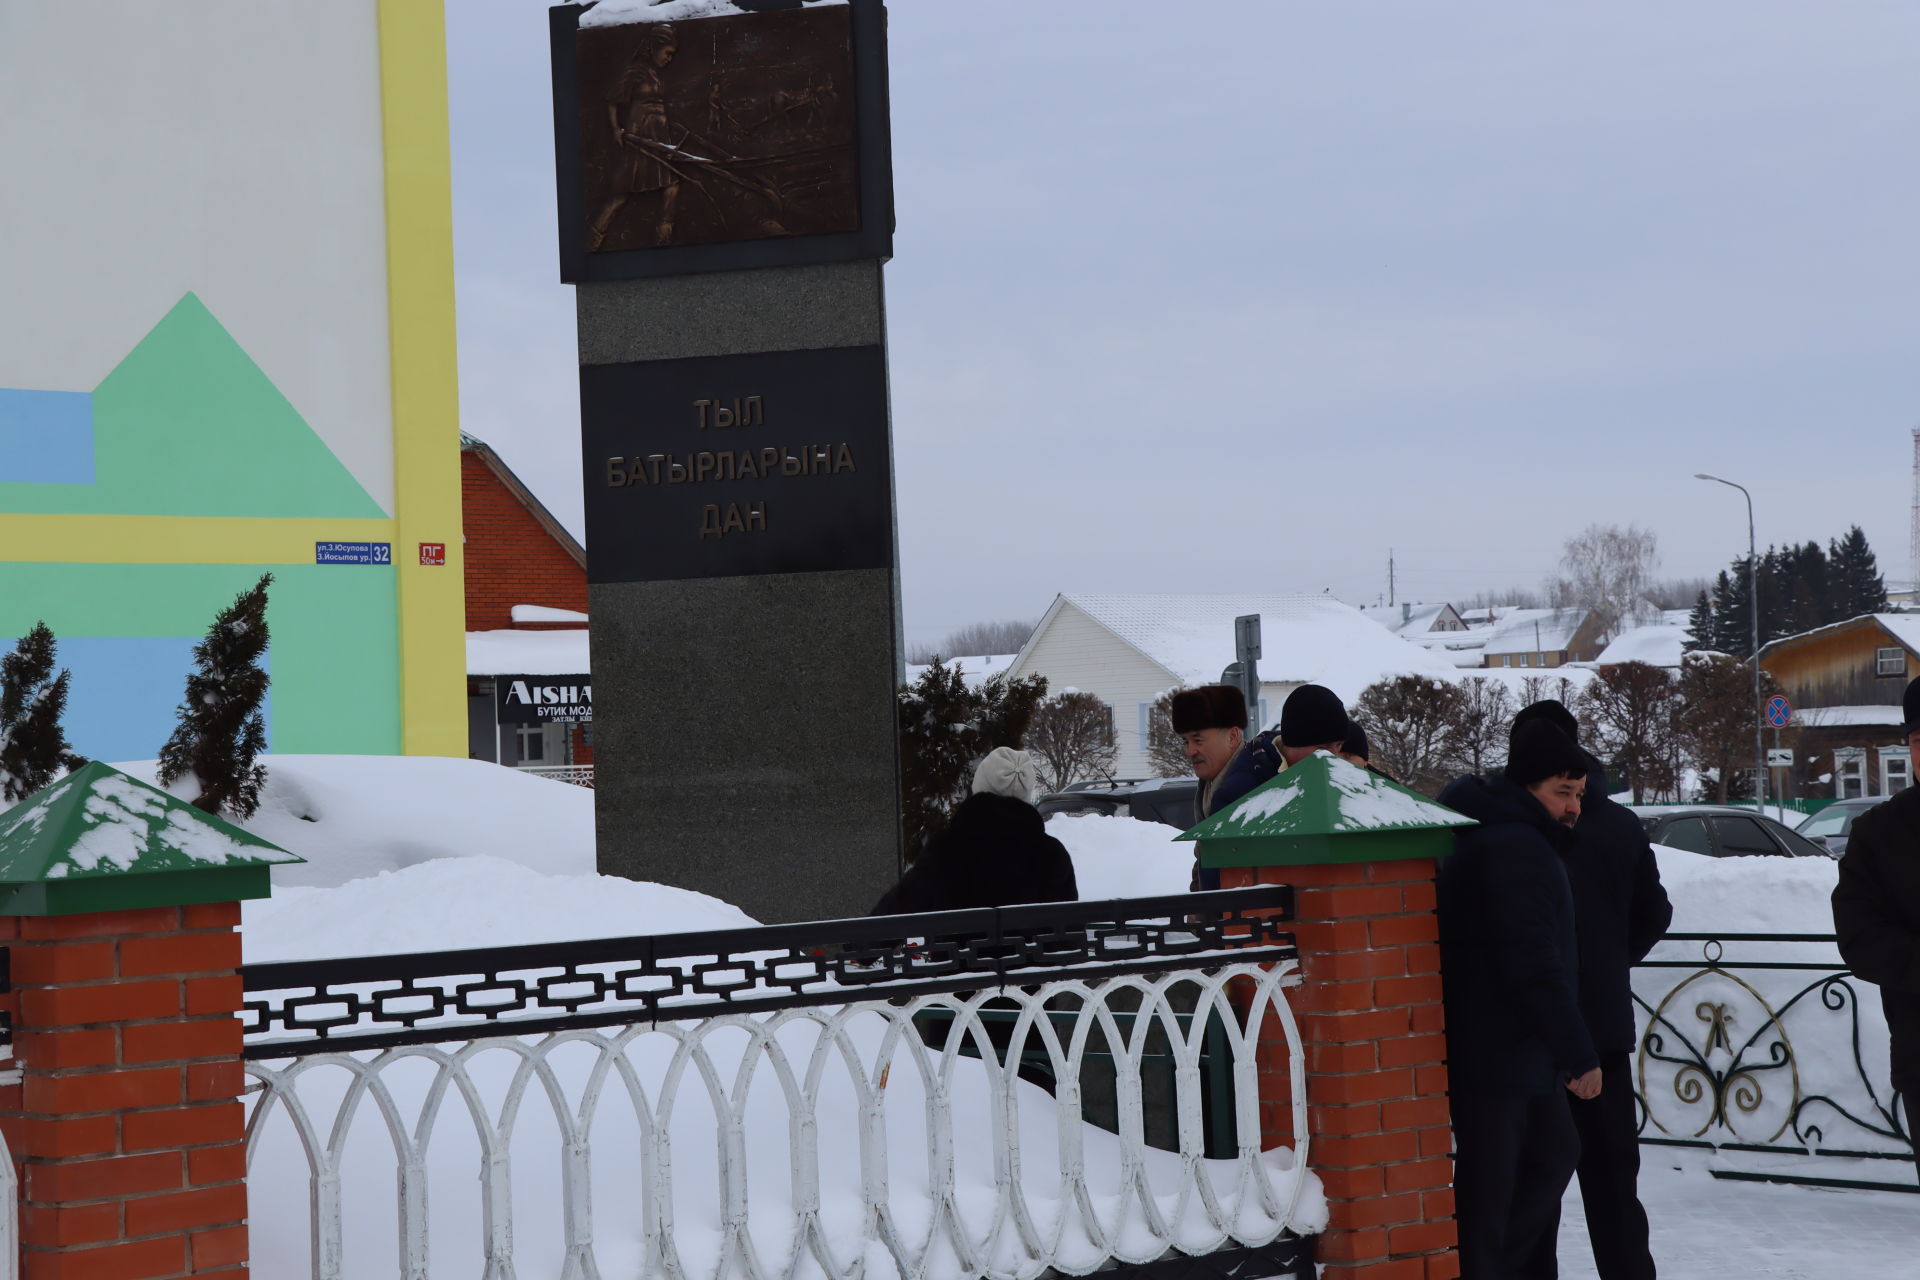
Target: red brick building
[526, 615]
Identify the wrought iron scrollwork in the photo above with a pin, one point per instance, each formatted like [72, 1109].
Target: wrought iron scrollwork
[1723, 1063]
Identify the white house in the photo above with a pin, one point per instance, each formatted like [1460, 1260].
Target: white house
[1127, 650]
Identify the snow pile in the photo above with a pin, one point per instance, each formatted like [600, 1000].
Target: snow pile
[354, 816]
[1834, 717]
[1748, 895]
[455, 903]
[528, 653]
[1123, 857]
[614, 13]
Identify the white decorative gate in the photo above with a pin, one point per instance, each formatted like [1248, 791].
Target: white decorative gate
[793, 1101]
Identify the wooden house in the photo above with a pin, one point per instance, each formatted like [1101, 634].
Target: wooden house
[1845, 681]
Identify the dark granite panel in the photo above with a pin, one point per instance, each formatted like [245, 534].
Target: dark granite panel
[729, 312]
[745, 741]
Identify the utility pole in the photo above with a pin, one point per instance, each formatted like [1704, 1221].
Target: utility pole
[1753, 611]
[1390, 599]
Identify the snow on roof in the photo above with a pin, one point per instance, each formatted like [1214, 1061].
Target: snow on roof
[542, 613]
[1304, 638]
[973, 670]
[613, 13]
[527, 653]
[1826, 717]
[1903, 627]
[1656, 646]
[1406, 620]
[1535, 631]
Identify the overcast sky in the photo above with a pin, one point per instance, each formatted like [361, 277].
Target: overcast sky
[1244, 294]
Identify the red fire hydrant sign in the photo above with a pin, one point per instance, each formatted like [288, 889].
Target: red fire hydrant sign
[433, 553]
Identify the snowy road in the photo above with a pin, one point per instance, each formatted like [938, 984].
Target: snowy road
[1708, 1229]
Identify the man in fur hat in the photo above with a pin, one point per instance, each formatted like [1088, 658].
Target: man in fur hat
[1211, 722]
[1311, 719]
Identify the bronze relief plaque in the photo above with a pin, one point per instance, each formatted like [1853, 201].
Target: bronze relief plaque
[718, 130]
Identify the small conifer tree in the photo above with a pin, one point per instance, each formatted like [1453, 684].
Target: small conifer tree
[221, 729]
[33, 746]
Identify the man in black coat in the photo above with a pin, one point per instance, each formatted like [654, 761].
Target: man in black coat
[1515, 1034]
[1620, 910]
[1876, 912]
[995, 852]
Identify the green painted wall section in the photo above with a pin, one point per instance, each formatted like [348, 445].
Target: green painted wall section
[336, 663]
[189, 425]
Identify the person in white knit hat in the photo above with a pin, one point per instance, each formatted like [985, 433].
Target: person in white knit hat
[995, 851]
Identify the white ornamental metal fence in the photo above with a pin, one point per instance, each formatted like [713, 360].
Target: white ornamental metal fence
[982, 1094]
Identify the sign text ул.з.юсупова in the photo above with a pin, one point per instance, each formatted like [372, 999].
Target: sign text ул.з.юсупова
[353, 553]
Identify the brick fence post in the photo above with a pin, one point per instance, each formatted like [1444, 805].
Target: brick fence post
[1360, 853]
[1373, 1038]
[125, 1126]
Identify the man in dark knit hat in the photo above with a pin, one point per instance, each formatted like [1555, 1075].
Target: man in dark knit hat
[1876, 912]
[1311, 719]
[1620, 910]
[1516, 1040]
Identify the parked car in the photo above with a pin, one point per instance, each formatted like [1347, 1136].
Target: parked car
[1167, 800]
[1722, 831]
[1830, 826]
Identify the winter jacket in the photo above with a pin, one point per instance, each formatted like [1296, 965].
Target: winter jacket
[994, 853]
[1257, 761]
[1508, 955]
[1876, 914]
[1620, 909]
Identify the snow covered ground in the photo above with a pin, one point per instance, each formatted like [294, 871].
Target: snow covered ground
[1708, 1229]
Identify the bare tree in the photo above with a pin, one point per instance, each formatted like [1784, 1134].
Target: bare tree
[1503, 598]
[1486, 713]
[977, 640]
[1413, 727]
[1632, 707]
[1716, 718]
[1165, 752]
[1608, 569]
[1071, 738]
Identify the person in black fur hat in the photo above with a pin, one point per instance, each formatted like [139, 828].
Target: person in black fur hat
[1311, 720]
[1516, 1040]
[1619, 911]
[1876, 912]
[1212, 724]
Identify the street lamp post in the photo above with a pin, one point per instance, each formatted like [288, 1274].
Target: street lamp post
[1753, 611]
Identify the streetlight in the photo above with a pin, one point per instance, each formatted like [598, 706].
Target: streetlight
[1753, 610]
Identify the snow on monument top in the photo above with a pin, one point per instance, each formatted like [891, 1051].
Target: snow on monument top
[1325, 796]
[98, 823]
[614, 13]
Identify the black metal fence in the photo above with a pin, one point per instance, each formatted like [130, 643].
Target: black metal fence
[375, 1002]
[1776, 1058]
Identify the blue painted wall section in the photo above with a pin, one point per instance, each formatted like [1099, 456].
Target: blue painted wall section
[46, 437]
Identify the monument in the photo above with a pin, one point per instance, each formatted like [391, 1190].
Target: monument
[725, 208]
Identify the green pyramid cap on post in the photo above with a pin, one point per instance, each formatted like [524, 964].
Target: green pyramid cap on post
[99, 840]
[1322, 810]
